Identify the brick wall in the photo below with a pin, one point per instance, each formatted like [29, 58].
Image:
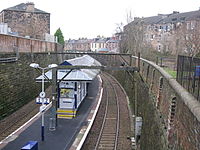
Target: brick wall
[17, 84]
[12, 43]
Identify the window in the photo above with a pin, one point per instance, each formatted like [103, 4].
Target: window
[192, 25]
[152, 36]
[188, 26]
[182, 18]
[174, 19]
[159, 48]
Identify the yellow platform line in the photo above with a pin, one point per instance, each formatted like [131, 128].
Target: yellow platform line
[66, 116]
[66, 111]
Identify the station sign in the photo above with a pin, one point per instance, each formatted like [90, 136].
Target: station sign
[39, 100]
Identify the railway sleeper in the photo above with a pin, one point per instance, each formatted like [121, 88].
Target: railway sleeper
[114, 118]
[111, 132]
[106, 146]
[110, 129]
[109, 138]
[110, 123]
[107, 141]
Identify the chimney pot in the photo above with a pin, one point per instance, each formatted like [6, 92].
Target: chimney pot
[30, 7]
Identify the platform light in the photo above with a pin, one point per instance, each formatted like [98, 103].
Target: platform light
[52, 66]
[42, 93]
[34, 65]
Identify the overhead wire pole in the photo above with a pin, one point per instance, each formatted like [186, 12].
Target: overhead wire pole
[54, 98]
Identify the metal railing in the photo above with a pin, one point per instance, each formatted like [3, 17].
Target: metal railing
[188, 74]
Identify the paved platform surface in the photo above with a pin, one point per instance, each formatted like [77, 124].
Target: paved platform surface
[67, 129]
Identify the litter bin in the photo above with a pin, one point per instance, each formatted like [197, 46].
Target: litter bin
[52, 124]
[31, 145]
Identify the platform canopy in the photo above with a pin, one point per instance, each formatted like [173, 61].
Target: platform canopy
[76, 74]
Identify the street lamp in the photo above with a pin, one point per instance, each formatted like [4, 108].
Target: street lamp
[42, 93]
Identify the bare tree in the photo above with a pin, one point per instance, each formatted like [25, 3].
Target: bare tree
[119, 28]
[189, 35]
[133, 36]
[129, 17]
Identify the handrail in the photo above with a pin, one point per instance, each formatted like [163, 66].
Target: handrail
[7, 60]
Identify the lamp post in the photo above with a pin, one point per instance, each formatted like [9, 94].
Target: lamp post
[42, 93]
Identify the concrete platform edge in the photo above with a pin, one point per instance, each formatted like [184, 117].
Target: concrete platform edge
[82, 135]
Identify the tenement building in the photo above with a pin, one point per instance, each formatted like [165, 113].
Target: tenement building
[174, 33]
[26, 20]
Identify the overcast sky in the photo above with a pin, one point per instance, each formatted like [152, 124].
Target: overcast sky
[89, 18]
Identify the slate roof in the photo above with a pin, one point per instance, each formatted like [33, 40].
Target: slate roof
[181, 17]
[22, 7]
[112, 41]
[148, 20]
[169, 18]
[153, 19]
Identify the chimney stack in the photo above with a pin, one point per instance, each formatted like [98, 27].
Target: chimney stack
[30, 7]
[175, 12]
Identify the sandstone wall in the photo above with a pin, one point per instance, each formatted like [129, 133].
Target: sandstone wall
[17, 81]
[30, 24]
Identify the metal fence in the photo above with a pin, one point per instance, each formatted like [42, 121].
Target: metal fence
[188, 74]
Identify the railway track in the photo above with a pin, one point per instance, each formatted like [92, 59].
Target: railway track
[108, 135]
[112, 123]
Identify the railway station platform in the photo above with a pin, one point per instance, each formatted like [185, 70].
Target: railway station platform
[64, 135]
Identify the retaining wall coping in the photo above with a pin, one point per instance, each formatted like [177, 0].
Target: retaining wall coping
[33, 39]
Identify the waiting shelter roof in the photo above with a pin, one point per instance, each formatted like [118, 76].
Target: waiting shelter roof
[75, 75]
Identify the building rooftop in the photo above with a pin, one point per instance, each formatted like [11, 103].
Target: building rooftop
[25, 7]
[181, 17]
[112, 41]
[168, 18]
